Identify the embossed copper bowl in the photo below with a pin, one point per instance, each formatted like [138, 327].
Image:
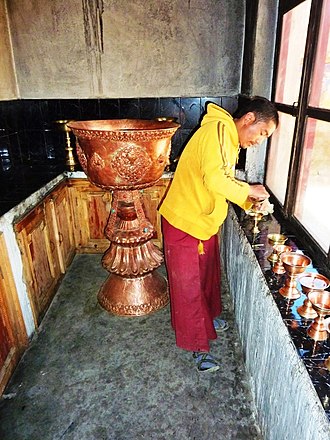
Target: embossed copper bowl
[123, 153]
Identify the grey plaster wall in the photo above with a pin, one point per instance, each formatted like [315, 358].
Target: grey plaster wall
[49, 51]
[131, 48]
[264, 48]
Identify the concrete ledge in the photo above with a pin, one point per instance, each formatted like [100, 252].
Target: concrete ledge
[288, 406]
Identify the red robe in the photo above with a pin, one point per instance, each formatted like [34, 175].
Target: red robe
[194, 284]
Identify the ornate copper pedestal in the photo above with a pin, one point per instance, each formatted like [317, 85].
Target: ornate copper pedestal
[126, 156]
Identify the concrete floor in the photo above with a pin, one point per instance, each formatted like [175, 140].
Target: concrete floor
[89, 375]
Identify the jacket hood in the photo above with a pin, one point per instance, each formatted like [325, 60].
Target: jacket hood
[216, 113]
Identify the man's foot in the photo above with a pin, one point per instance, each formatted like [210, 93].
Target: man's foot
[220, 325]
[205, 362]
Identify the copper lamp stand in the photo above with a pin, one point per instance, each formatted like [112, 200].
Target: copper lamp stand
[311, 282]
[294, 264]
[275, 239]
[70, 160]
[278, 250]
[319, 329]
[125, 156]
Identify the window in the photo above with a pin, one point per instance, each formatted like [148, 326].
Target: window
[312, 205]
[279, 156]
[293, 39]
[298, 161]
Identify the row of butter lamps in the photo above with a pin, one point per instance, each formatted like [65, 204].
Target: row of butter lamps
[316, 306]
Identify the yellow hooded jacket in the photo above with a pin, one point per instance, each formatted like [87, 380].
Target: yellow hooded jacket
[196, 202]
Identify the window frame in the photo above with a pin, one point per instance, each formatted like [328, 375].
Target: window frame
[301, 111]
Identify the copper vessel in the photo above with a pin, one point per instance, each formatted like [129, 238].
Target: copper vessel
[327, 363]
[278, 250]
[294, 264]
[257, 216]
[62, 125]
[320, 301]
[125, 156]
[311, 282]
[275, 239]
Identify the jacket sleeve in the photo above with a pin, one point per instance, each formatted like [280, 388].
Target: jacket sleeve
[217, 171]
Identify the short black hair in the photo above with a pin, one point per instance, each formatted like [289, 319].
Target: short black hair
[263, 109]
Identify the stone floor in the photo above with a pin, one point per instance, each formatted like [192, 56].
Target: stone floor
[89, 375]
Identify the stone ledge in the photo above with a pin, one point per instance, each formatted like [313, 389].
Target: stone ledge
[288, 406]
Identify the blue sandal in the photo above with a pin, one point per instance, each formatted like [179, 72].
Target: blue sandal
[205, 362]
[220, 325]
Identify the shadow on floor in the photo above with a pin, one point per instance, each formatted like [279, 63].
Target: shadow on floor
[89, 375]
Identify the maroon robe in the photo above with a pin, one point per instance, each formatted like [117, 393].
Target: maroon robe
[194, 284]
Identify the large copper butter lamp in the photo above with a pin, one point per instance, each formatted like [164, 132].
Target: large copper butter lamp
[125, 156]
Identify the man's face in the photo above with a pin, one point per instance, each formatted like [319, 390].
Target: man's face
[252, 133]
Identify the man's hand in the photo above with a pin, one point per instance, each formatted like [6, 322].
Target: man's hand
[257, 193]
[264, 206]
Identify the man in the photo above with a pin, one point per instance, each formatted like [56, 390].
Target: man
[193, 210]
